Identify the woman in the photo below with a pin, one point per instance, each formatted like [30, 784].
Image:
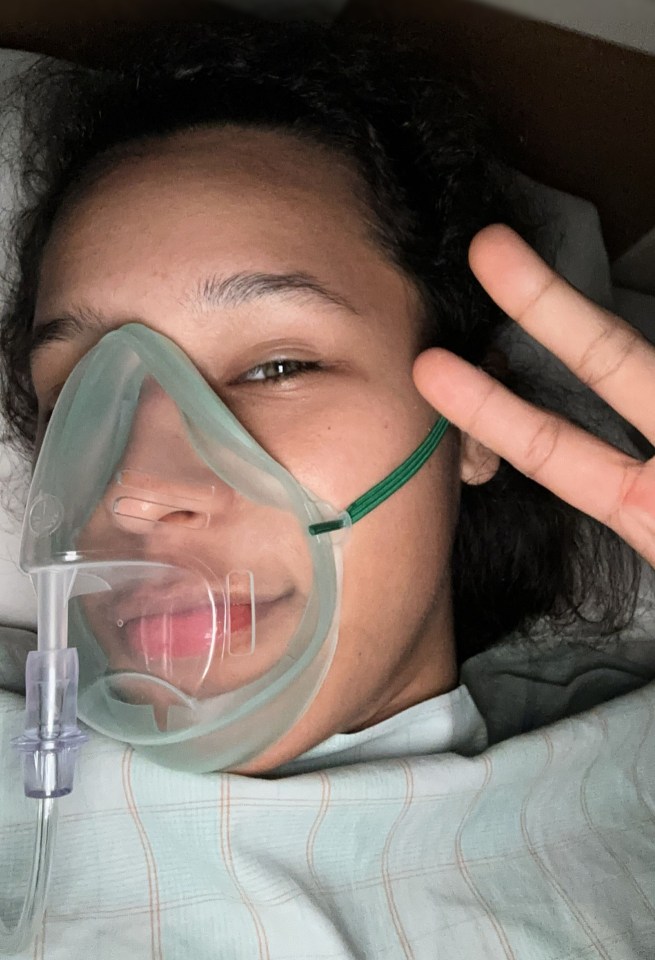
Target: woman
[297, 212]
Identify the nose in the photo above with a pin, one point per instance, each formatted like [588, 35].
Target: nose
[160, 478]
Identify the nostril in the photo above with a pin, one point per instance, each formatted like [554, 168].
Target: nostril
[141, 500]
[139, 514]
[186, 517]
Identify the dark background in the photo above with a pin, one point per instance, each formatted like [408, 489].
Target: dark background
[576, 113]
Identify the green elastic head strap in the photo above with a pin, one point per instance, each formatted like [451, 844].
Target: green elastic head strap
[385, 488]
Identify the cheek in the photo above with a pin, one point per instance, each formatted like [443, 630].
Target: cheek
[397, 558]
[397, 564]
[341, 445]
[401, 548]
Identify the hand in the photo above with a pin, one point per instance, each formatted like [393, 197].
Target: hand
[605, 352]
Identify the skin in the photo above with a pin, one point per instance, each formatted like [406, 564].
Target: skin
[214, 203]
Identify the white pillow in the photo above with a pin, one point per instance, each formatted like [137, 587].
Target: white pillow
[17, 602]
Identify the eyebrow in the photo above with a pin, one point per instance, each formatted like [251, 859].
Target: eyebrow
[213, 292]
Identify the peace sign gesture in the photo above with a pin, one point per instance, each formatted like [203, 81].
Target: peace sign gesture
[604, 351]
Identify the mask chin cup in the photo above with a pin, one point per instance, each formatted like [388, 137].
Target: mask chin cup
[155, 704]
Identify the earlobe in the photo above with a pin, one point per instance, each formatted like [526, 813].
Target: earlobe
[478, 464]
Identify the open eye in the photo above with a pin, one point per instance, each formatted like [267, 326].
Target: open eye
[281, 369]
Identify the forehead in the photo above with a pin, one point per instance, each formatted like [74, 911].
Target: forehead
[235, 198]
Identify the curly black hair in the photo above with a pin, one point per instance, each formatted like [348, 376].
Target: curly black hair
[431, 176]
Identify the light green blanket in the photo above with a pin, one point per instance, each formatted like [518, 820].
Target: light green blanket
[541, 847]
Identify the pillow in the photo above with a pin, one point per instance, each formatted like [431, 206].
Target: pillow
[17, 601]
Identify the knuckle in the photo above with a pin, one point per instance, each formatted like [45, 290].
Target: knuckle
[478, 414]
[541, 446]
[607, 353]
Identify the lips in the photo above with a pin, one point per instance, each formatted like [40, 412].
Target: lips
[198, 632]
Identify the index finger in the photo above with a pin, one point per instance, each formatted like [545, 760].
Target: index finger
[575, 465]
[601, 349]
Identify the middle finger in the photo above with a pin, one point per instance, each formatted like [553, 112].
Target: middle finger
[605, 352]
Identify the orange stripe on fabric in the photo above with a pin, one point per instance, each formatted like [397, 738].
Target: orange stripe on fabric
[151, 866]
[226, 851]
[539, 862]
[39, 941]
[326, 790]
[598, 833]
[466, 874]
[388, 886]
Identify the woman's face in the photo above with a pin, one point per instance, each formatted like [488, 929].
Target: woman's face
[317, 365]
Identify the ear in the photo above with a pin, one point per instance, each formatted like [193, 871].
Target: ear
[478, 464]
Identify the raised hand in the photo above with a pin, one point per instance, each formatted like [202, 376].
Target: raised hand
[604, 351]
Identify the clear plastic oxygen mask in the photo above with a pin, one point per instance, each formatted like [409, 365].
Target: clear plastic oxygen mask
[176, 557]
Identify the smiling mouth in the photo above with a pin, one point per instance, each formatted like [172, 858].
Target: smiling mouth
[198, 632]
[189, 633]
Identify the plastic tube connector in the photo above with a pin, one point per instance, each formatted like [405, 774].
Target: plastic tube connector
[52, 739]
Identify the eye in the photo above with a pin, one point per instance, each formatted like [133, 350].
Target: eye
[277, 370]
